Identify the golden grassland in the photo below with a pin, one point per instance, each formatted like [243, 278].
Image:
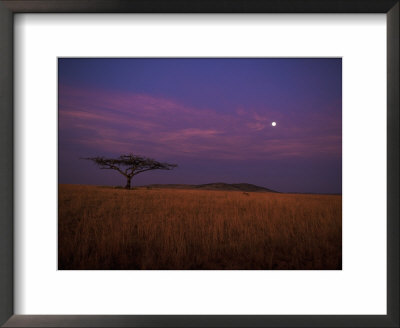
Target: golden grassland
[161, 229]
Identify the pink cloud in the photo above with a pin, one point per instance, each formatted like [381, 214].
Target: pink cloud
[155, 126]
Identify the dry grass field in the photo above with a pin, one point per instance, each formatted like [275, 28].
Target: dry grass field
[160, 229]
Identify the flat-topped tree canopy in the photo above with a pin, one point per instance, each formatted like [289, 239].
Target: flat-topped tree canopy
[130, 165]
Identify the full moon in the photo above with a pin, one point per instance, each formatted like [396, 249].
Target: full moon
[273, 123]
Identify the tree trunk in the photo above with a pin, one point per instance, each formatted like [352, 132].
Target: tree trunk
[128, 183]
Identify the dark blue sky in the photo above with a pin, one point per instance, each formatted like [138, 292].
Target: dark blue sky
[210, 116]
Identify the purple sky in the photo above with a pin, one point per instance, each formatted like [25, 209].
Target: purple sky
[212, 117]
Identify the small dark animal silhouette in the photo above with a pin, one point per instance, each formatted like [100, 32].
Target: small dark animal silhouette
[246, 193]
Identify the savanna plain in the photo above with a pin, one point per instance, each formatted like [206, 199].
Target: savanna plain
[175, 229]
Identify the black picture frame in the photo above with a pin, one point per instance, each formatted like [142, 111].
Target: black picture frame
[10, 7]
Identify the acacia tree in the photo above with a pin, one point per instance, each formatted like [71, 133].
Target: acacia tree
[130, 165]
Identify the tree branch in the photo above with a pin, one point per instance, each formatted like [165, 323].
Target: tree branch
[133, 164]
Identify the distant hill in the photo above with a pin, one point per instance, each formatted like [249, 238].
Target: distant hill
[245, 187]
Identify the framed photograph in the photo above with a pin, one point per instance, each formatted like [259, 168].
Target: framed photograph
[231, 192]
[211, 164]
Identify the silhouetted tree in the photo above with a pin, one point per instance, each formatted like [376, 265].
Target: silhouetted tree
[130, 165]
